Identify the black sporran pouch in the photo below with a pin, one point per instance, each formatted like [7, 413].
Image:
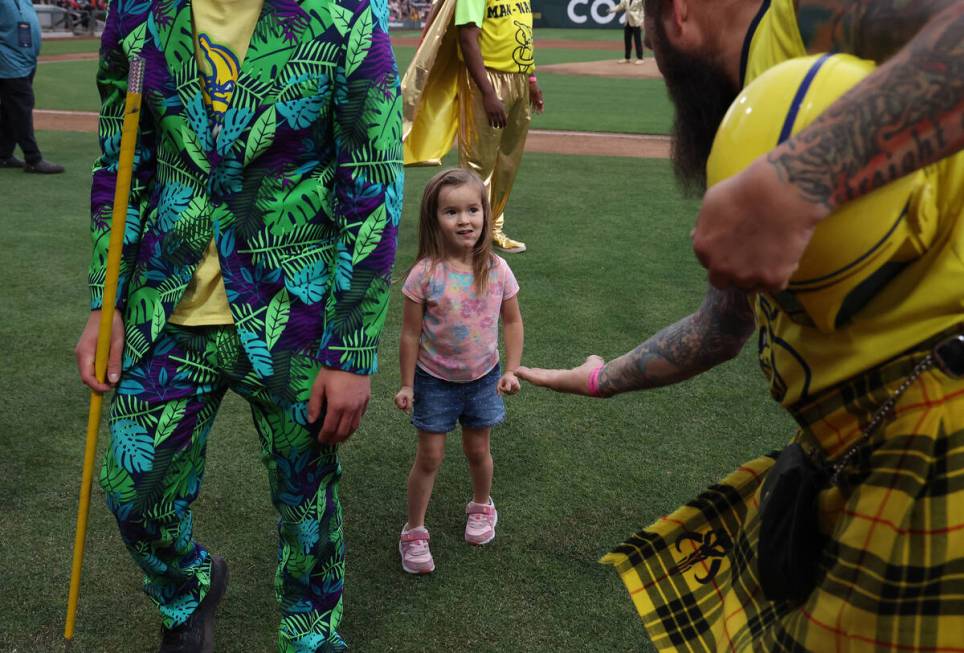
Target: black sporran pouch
[790, 538]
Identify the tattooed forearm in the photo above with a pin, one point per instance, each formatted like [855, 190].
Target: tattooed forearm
[710, 336]
[871, 29]
[907, 114]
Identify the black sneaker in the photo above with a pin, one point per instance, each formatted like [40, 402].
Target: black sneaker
[11, 162]
[43, 168]
[196, 635]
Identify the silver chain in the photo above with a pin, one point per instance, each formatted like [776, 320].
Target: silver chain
[881, 413]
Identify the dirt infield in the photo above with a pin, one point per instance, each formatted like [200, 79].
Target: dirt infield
[540, 140]
[70, 56]
[638, 146]
[607, 68]
[65, 121]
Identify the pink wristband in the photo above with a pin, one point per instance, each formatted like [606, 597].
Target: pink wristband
[594, 381]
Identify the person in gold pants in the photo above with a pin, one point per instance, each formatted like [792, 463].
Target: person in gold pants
[496, 88]
[477, 80]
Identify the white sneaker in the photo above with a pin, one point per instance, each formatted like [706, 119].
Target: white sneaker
[481, 521]
[623, 61]
[413, 548]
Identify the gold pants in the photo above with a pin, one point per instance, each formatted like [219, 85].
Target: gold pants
[494, 154]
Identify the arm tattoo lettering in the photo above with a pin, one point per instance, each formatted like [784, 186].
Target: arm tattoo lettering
[909, 113]
[712, 335]
[871, 29]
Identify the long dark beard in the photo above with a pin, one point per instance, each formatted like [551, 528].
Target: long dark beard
[701, 94]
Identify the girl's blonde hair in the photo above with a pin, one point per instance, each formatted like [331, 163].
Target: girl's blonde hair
[430, 242]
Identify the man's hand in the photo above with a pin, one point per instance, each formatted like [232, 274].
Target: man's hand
[86, 350]
[535, 97]
[753, 228]
[574, 381]
[405, 398]
[343, 398]
[495, 111]
[508, 384]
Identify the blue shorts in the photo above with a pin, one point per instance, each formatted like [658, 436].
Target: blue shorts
[439, 404]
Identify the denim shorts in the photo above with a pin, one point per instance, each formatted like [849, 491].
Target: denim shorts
[439, 404]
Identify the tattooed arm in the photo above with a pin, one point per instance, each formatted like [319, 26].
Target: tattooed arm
[754, 227]
[714, 334]
[907, 114]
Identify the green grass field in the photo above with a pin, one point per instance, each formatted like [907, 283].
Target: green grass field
[573, 102]
[573, 476]
[609, 263]
[67, 86]
[69, 45]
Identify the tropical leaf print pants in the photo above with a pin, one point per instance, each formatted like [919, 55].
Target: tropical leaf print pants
[159, 422]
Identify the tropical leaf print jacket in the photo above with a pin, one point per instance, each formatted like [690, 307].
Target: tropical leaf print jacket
[301, 188]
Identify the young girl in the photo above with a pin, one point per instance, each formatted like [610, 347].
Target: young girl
[449, 352]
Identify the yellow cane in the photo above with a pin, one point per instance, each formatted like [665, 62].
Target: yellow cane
[132, 111]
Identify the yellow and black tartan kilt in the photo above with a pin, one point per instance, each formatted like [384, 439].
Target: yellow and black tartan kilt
[891, 576]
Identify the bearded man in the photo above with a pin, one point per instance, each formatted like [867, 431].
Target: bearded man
[891, 370]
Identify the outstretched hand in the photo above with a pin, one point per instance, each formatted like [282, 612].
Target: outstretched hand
[341, 398]
[574, 381]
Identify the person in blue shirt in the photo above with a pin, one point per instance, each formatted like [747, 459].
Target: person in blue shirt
[19, 47]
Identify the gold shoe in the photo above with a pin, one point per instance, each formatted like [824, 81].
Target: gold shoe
[506, 244]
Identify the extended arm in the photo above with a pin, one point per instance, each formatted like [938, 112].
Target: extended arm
[712, 335]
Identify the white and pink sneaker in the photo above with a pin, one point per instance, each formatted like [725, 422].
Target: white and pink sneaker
[413, 547]
[481, 521]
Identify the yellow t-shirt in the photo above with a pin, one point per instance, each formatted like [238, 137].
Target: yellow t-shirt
[773, 37]
[925, 298]
[222, 32]
[506, 40]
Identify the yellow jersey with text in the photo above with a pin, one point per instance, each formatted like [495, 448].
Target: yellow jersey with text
[222, 33]
[506, 25]
[923, 299]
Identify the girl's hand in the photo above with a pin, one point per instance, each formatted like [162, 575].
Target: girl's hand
[509, 384]
[405, 398]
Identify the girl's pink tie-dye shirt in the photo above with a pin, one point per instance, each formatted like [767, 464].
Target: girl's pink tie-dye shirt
[460, 330]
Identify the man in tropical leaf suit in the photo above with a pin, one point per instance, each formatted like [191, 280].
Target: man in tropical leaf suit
[266, 197]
